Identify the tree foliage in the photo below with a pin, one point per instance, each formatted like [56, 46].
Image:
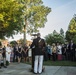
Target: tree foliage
[72, 26]
[13, 43]
[62, 32]
[13, 14]
[35, 14]
[71, 32]
[10, 17]
[54, 38]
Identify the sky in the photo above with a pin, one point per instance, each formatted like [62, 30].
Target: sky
[62, 11]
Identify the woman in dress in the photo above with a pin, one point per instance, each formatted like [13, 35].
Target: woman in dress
[19, 53]
[8, 52]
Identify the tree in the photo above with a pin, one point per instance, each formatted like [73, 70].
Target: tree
[49, 39]
[62, 32]
[35, 16]
[10, 17]
[13, 43]
[54, 38]
[55, 32]
[13, 14]
[72, 26]
[74, 39]
[71, 32]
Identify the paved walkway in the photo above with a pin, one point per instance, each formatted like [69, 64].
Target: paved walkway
[24, 69]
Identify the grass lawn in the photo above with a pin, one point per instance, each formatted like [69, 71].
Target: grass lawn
[58, 63]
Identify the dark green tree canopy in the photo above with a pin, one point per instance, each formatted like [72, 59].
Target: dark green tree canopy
[62, 32]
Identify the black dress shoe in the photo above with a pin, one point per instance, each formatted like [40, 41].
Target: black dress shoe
[43, 69]
[40, 73]
[35, 73]
[31, 70]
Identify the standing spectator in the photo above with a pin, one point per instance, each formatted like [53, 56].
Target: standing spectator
[0, 54]
[59, 51]
[8, 52]
[33, 57]
[49, 52]
[46, 53]
[63, 52]
[72, 50]
[4, 56]
[15, 52]
[54, 51]
[29, 53]
[39, 44]
[67, 50]
[11, 56]
[19, 53]
[25, 52]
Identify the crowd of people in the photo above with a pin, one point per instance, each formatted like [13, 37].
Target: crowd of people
[58, 51]
[16, 53]
[37, 52]
[21, 53]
